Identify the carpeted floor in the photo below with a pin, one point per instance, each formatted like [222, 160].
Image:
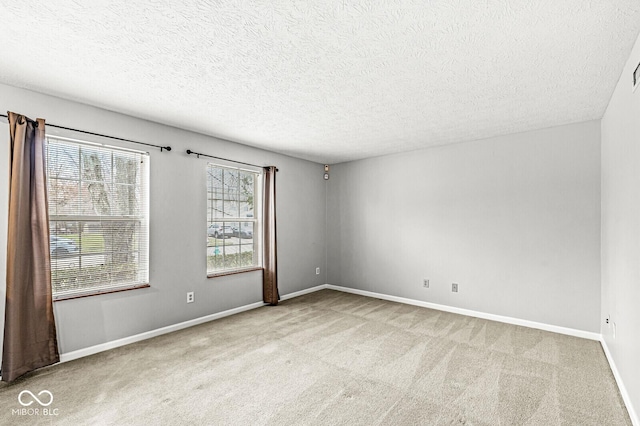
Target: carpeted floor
[333, 358]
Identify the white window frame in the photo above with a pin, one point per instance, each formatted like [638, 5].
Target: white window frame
[142, 220]
[256, 220]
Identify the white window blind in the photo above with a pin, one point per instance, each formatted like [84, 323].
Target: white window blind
[233, 219]
[98, 212]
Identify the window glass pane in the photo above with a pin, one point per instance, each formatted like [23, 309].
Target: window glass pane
[63, 161]
[91, 239]
[231, 247]
[245, 231]
[95, 199]
[126, 200]
[214, 192]
[231, 197]
[96, 164]
[246, 243]
[125, 168]
[247, 194]
[110, 250]
[231, 205]
[64, 196]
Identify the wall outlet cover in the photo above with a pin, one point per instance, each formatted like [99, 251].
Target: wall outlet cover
[614, 329]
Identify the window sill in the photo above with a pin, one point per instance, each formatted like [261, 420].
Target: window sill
[233, 272]
[97, 293]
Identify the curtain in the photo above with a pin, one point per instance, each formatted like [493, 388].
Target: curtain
[270, 258]
[29, 328]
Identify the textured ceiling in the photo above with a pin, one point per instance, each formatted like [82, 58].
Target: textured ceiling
[329, 81]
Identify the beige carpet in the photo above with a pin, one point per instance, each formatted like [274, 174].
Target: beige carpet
[333, 358]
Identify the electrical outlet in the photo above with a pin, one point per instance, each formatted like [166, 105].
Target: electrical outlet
[317, 271]
[190, 297]
[425, 283]
[454, 287]
[607, 320]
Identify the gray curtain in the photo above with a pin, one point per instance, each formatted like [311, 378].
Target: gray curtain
[29, 328]
[270, 258]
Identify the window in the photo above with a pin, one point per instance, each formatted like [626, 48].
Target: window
[233, 237]
[98, 212]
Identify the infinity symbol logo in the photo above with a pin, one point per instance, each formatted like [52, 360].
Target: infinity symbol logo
[36, 398]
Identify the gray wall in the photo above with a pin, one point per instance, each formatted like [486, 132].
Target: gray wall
[514, 220]
[177, 226]
[621, 228]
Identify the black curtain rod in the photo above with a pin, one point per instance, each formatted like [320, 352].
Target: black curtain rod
[162, 148]
[224, 159]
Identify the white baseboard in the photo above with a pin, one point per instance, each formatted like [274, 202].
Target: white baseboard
[303, 292]
[623, 390]
[69, 356]
[508, 320]
[175, 327]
